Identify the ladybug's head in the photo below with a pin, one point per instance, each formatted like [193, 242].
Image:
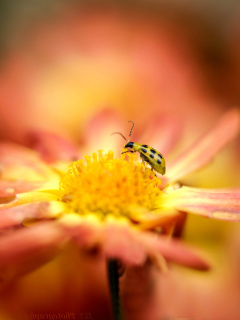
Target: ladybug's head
[128, 145]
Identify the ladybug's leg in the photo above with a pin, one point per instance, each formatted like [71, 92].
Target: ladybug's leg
[153, 171]
[143, 159]
[128, 151]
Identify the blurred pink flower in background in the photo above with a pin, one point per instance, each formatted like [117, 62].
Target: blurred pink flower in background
[139, 60]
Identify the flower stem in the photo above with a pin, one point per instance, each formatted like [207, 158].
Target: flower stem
[113, 278]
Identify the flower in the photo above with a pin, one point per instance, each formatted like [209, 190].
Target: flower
[126, 57]
[101, 200]
[110, 204]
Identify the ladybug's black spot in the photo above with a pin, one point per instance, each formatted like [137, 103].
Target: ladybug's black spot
[151, 155]
[159, 155]
[153, 151]
[144, 150]
[158, 161]
[145, 145]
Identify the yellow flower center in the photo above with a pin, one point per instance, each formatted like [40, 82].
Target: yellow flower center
[103, 185]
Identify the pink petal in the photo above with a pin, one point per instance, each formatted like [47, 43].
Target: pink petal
[52, 147]
[203, 150]
[99, 129]
[163, 133]
[16, 216]
[16, 154]
[22, 163]
[180, 253]
[173, 250]
[121, 242]
[30, 197]
[131, 246]
[222, 204]
[11, 188]
[34, 245]
[86, 235]
[115, 240]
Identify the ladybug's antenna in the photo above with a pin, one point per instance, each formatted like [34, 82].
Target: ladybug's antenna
[131, 129]
[120, 134]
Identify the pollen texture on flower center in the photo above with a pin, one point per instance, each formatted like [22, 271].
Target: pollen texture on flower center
[103, 185]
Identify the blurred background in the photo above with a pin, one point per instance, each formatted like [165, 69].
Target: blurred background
[64, 61]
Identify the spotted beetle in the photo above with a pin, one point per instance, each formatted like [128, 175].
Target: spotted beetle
[154, 158]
